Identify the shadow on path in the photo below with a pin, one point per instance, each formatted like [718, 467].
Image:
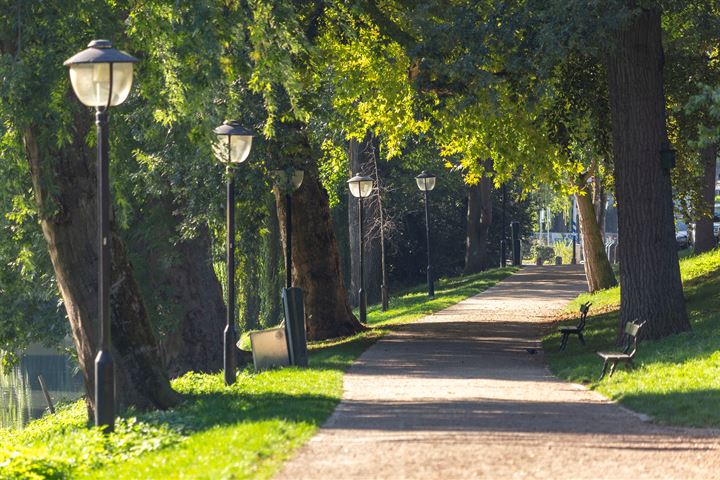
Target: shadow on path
[457, 395]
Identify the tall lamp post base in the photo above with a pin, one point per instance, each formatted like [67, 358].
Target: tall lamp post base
[362, 304]
[104, 391]
[229, 355]
[430, 282]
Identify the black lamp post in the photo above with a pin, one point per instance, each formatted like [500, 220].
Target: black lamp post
[288, 181]
[101, 77]
[233, 147]
[503, 239]
[361, 187]
[426, 182]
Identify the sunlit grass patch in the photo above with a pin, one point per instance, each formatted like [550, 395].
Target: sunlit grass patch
[678, 378]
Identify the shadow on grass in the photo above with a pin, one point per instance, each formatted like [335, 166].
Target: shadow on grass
[676, 380]
[696, 408]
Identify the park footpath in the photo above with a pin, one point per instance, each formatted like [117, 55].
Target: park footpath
[458, 395]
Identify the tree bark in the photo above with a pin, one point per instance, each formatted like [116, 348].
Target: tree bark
[65, 187]
[361, 161]
[194, 344]
[599, 199]
[316, 261]
[479, 220]
[598, 270]
[704, 234]
[649, 271]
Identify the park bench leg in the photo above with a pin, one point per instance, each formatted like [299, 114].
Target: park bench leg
[582, 339]
[563, 342]
[603, 370]
[612, 368]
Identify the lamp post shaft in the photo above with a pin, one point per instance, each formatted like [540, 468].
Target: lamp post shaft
[104, 374]
[430, 283]
[362, 303]
[229, 360]
[288, 240]
[503, 237]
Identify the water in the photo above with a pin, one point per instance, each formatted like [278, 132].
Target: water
[21, 398]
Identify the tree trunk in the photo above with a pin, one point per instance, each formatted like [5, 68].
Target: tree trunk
[704, 234]
[361, 156]
[316, 261]
[649, 271]
[382, 226]
[195, 343]
[599, 199]
[65, 187]
[181, 292]
[479, 220]
[598, 271]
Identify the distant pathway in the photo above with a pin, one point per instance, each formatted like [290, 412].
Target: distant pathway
[457, 396]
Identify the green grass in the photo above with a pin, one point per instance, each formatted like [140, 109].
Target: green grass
[678, 378]
[244, 431]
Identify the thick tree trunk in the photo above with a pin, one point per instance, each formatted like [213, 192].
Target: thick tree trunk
[316, 261]
[195, 342]
[704, 234]
[361, 156]
[65, 190]
[479, 220]
[181, 292]
[598, 271]
[649, 271]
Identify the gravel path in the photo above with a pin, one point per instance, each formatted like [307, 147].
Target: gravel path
[456, 395]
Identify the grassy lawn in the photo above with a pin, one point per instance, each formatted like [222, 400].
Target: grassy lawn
[243, 431]
[678, 378]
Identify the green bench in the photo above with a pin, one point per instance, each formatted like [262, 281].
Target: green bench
[628, 353]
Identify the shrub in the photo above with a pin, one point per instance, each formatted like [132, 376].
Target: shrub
[542, 252]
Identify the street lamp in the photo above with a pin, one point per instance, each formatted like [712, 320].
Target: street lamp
[101, 77]
[233, 147]
[288, 181]
[426, 182]
[361, 187]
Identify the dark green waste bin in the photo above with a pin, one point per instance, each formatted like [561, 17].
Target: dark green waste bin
[295, 326]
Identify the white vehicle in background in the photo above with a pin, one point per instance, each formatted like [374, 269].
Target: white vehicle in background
[681, 234]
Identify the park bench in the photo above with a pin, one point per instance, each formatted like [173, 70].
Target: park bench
[577, 329]
[626, 356]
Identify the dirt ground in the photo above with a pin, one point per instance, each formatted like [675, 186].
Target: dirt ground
[457, 395]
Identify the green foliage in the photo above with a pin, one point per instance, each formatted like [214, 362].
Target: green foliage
[544, 252]
[564, 250]
[64, 446]
[677, 380]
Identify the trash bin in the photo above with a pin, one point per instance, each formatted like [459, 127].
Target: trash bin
[292, 299]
